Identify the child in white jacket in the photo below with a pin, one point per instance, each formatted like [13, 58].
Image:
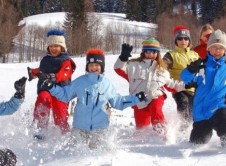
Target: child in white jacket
[147, 73]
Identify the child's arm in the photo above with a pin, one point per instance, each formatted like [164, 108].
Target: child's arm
[120, 68]
[65, 71]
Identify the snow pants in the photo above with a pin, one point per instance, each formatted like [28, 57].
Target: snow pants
[151, 114]
[44, 104]
[184, 101]
[202, 130]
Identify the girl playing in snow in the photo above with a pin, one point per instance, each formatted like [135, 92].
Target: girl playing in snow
[147, 73]
[58, 67]
[93, 91]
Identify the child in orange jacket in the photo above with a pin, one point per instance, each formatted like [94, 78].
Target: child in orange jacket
[58, 66]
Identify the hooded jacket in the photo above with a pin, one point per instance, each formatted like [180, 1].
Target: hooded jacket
[93, 92]
[210, 94]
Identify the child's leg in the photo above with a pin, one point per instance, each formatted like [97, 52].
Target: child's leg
[60, 114]
[98, 138]
[157, 116]
[201, 132]
[42, 109]
[142, 117]
[219, 121]
[78, 136]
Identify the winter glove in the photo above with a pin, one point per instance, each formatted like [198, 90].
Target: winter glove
[47, 77]
[142, 96]
[30, 76]
[7, 157]
[20, 88]
[195, 66]
[125, 52]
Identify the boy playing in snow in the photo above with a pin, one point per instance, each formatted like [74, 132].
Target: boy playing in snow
[7, 157]
[94, 91]
[58, 67]
[209, 108]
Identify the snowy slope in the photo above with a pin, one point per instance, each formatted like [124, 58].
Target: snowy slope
[128, 146]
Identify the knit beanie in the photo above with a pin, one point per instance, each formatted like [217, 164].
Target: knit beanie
[151, 44]
[181, 30]
[95, 56]
[56, 37]
[218, 37]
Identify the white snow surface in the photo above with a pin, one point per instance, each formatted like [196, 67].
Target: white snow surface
[128, 146]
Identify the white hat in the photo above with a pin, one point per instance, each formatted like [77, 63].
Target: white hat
[218, 37]
[56, 37]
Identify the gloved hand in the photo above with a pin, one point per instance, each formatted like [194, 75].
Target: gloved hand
[125, 52]
[30, 76]
[20, 88]
[142, 96]
[47, 77]
[7, 157]
[195, 66]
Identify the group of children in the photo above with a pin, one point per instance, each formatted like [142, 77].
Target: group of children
[196, 79]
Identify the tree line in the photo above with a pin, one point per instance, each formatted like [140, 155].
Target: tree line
[83, 32]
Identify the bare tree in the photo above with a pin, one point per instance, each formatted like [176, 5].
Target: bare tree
[9, 19]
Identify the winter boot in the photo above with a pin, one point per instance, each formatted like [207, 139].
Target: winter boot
[40, 134]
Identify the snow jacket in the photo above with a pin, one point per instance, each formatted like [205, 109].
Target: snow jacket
[93, 92]
[177, 60]
[210, 94]
[62, 66]
[11, 106]
[146, 76]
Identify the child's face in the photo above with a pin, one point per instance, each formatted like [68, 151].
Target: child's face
[204, 35]
[94, 68]
[55, 50]
[182, 41]
[217, 51]
[151, 54]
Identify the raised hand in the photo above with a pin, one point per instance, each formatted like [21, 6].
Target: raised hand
[125, 52]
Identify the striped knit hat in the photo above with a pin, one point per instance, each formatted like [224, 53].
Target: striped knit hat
[151, 44]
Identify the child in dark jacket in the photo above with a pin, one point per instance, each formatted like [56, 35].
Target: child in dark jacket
[209, 108]
[58, 67]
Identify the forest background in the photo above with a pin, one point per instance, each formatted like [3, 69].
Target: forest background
[85, 30]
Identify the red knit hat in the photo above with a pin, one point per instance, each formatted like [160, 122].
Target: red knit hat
[95, 56]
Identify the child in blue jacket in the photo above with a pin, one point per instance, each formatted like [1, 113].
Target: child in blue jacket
[93, 91]
[209, 108]
[7, 157]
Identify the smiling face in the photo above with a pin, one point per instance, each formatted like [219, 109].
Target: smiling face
[182, 41]
[217, 51]
[94, 68]
[55, 50]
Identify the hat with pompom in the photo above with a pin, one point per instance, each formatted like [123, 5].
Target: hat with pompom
[218, 37]
[56, 37]
[181, 30]
[151, 44]
[94, 55]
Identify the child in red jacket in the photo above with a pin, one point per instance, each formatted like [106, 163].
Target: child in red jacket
[201, 49]
[58, 66]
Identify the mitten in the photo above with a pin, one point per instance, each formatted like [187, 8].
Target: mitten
[47, 77]
[7, 157]
[125, 52]
[195, 66]
[142, 96]
[30, 76]
[20, 88]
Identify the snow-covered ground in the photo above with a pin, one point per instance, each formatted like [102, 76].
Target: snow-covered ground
[129, 147]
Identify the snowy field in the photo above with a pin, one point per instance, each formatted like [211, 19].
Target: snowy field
[128, 146]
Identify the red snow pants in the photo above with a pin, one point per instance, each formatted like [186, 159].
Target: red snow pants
[44, 104]
[151, 114]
